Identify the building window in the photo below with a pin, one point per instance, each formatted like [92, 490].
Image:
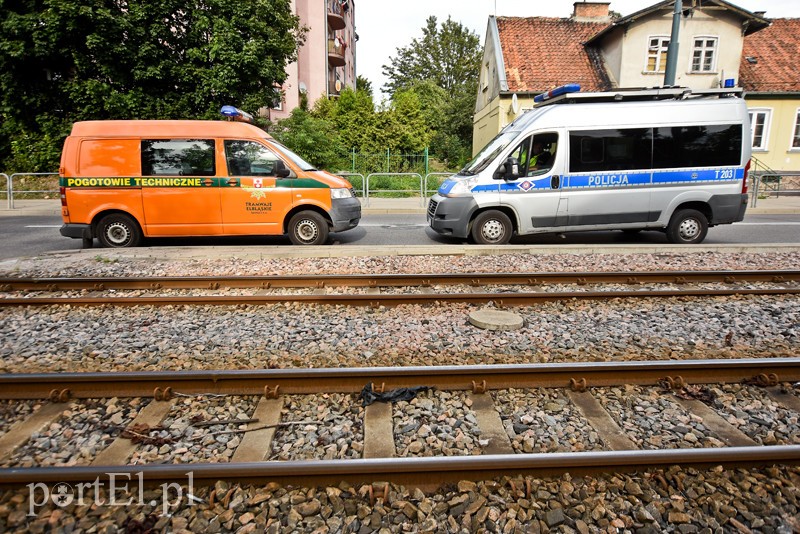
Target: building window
[657, 54]
[796, 135]
[704, 54]
[759, 128]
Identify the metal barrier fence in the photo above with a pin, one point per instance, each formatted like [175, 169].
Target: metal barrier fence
[10, 185]
[360, 184]
[438, 182]
[405, 174]
[6, 190]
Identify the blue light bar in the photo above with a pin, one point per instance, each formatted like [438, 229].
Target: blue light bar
[558, 91]
[236, 114]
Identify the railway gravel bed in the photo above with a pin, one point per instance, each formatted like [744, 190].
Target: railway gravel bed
[654, 421]
[544, 420]
[104, 338]
[181, 441]
[331, 427]
[673, 500]
[436, 423]
[84, 429]
[107, 263]
[755, 414]
[13, 411]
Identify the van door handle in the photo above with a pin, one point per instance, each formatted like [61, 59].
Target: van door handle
[555, 181]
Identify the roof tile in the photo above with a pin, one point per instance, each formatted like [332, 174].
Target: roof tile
[773, 53]
[541, 53]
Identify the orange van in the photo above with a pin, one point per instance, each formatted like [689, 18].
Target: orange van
[122, 181]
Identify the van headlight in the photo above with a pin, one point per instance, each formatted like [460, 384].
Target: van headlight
[341, 192]
[462, 188]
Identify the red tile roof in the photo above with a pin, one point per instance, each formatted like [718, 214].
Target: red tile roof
[773, 54]
[541, 53]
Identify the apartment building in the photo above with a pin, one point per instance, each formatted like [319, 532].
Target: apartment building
[326, 63]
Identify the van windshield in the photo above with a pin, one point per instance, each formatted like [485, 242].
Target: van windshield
[297, 160]
[489, 153]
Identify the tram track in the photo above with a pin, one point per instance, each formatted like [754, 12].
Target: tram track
[484, 386]
[419, 289]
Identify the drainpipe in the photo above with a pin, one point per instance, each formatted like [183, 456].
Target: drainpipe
[672, 49]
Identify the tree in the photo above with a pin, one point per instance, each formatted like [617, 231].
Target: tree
[70, 60]
[314, 139]
[449, 57]
[442, 68]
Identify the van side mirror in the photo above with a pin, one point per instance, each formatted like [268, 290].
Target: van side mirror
[512, 169]
[281, 170]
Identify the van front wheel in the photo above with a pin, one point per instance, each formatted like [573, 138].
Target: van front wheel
[492, 228]
[687, 227]
[118, 230]
[308, 228]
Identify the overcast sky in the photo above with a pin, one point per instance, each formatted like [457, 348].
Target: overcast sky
[384, 26]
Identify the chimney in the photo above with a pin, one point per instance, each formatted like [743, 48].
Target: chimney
[591, 11]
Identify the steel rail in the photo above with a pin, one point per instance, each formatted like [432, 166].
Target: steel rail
[500, 298]
[409, 471]
[383, 280]
[352, 380]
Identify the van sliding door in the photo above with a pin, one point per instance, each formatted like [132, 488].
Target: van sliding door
[609, 179]
[180, 195]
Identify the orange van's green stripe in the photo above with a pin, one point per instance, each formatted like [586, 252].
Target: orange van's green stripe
[297, 183]
[182, 181]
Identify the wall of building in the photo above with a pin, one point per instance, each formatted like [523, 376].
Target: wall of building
[723, 25]
[779, 155]
[311, 72]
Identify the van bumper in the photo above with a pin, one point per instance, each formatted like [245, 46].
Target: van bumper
[345, 213]
[726, 209]
[451, 216]
[77, 231]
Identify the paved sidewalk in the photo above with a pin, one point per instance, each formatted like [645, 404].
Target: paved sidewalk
[781, 205]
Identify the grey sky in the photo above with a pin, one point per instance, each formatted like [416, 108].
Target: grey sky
[384, 26]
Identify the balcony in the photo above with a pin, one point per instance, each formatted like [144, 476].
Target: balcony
[335, 53]
[335, 87]
[335, 15]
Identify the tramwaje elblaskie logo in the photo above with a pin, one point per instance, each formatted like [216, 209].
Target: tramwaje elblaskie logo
[118, 490]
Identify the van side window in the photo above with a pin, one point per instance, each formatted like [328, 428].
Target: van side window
[697, 146]
[248, 158]
[535, 154]
[178, 157]
[610, 150]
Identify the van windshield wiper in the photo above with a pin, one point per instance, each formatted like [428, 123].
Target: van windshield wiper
[464, 172]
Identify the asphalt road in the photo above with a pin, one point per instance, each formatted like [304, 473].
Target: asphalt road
[34, 235]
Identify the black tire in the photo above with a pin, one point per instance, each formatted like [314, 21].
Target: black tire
[687, 227]
[118, 230]
[492, 228]
[308, 228]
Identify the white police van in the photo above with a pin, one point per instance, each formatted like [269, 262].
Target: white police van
[666, 159]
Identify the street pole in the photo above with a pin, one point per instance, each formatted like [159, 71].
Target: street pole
[672, 49]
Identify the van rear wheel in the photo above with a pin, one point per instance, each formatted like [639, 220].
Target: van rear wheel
[308, 228]
[118, 230]
[492, 228]
[687, 227]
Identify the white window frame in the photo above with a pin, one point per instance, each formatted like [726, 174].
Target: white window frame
[663, 44]
[767, 112]
[795, 138]
[703, 50]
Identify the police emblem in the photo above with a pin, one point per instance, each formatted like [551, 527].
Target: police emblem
[526, 185]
